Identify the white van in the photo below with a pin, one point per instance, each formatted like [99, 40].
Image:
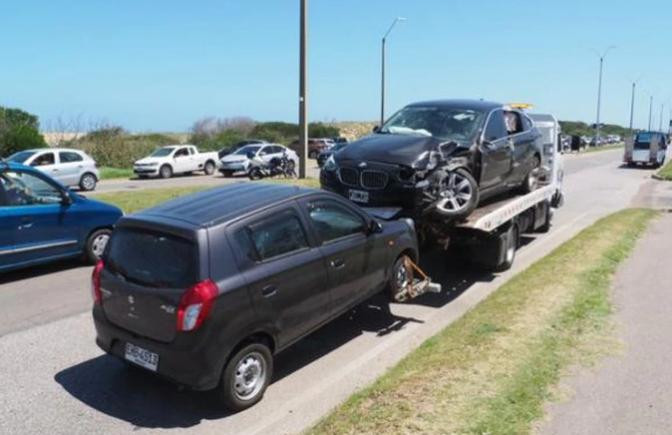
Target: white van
[646, 148]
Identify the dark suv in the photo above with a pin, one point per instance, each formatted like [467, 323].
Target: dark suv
[204, 289]
[439, 156]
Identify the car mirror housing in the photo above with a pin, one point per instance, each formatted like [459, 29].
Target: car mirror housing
[376, 128]
[375, 227]
[65, 198]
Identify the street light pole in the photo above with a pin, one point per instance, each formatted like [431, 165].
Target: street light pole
[660, 126]
[599, 93]
[382, 69]
[650, 111]
[632, 104]
[303, 94]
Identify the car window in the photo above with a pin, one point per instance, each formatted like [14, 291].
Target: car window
[69, 157]
[43, 160]
[182, 152]
[265, 151]
[273, 237]
[21, 188]
[495, 128]
[333, 221]
[527, 123]
[513, 122]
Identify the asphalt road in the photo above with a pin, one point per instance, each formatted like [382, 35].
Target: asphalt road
[55, 379]
[629, 393]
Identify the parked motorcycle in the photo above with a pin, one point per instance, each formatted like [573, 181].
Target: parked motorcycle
[278, 166]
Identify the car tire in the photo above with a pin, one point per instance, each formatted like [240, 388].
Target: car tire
[312, 155]
[399, 277]
[531, 181]
[255, 174]
[166, 171]
[291, 169]
[548, 219]
[511, 241]
[458, 193]
[95, 245]
[227, 174]
[209, 168]
[246, 377]
[88, 182]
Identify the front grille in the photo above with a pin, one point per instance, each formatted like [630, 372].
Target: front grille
[374, 179]
[349, 176]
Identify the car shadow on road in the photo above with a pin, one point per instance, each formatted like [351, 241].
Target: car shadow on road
[145, 401]
[16, 276]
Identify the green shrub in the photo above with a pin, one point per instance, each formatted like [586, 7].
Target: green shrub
[19, 130]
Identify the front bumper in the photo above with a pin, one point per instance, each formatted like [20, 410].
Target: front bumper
[232, 167]
[396, 194]
[187, 361]
[146, 170]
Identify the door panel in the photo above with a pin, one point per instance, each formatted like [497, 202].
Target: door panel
[70, 165]
[496, 152]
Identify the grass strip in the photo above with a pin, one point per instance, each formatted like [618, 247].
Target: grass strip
[492, 370]
[107, 173]
[665, 173]
[131, 201]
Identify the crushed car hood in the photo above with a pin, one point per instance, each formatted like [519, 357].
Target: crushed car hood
[389, 148]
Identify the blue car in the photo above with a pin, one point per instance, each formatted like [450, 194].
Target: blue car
[42, 221]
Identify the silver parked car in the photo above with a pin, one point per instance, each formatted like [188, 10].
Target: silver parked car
[73, 168]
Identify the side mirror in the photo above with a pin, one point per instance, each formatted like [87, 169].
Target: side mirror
[376, 128]
[65, 198]
[375, 227]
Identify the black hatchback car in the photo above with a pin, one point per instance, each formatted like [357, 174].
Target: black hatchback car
[442, 156]
[205, 288]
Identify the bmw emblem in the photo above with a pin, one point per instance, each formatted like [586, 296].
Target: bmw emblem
[131, 300]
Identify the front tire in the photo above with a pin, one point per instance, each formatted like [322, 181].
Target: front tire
[458, 193]
[400, 277]
[166, 171]
[88, 182]
[95, 245]
[246, 377]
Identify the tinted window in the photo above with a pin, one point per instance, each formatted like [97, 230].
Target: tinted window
[182, 152]
[446, 123]
[265, 151]
[495, 128]
[152, 259]
[277, 236]
[43, 160]
[21, 157]
[332, 221]
[527, 123]
[21, 188]
[513, 123]
[69, 157]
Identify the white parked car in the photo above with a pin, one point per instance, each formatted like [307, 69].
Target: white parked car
[239, 161]
[175, 159]
[70, 167]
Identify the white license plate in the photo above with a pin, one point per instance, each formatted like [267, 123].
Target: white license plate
[142, 357]
[359, 196]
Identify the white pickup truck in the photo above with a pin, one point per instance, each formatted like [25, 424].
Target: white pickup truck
[175, 159]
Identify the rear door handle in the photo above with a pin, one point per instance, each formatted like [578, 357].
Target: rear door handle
[269, 291]
[25, 223]
[337, 263]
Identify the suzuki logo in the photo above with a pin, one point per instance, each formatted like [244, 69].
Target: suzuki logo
[131, 300]
[362, 165]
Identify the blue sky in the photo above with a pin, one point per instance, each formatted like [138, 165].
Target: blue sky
[153, 65]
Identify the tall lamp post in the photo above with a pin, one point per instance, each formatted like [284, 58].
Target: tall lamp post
[660, 126]
[382, 69]
[599, 91]
[650, 111]
[632, 102]
[303, 95]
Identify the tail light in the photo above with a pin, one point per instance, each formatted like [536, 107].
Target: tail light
[195, 305]
[96, 294]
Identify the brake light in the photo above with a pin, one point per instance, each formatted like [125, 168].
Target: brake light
[195, 305]
[96, 294]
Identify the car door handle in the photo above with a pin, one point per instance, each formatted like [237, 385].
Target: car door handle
[337, 263]
[269, 291]
[25, 223]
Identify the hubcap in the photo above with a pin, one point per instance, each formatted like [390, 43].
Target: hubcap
[88, 182]
[250, 376]
[456, 193]
[99, 243]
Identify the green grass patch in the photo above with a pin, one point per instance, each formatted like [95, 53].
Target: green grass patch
[492, 370]
[107, 173]
[131, 201]
[665, 173]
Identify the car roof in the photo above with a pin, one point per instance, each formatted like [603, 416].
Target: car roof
[39, 150]
[223, 204]
[479, 105]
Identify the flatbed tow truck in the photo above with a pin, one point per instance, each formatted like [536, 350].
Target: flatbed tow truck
[490, 235]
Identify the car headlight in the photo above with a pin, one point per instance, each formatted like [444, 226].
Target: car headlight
[330, 164]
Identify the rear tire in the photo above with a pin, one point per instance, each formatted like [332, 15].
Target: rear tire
[166, 171]
[246, 377]
[209, 168]
[399, 277]
[88, 182]
[531, 181]
[95, 245]
[546, 226]
[511, 246]
[255, 174]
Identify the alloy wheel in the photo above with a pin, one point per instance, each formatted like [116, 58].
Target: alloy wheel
[456, 193]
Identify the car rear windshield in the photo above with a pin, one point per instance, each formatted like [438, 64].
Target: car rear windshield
[21, 156]
[152, 259]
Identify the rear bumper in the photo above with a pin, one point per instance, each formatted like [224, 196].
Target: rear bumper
[188, 363]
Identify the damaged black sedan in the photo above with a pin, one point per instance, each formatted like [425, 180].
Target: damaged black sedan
[439, 157]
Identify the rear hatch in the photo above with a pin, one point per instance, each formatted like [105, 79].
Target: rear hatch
[145, 275]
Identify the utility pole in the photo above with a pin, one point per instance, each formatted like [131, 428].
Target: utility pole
[650, 111]
[382, 69]
[632, 104]
[599, 92]
[303, 94]
[660, 127]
